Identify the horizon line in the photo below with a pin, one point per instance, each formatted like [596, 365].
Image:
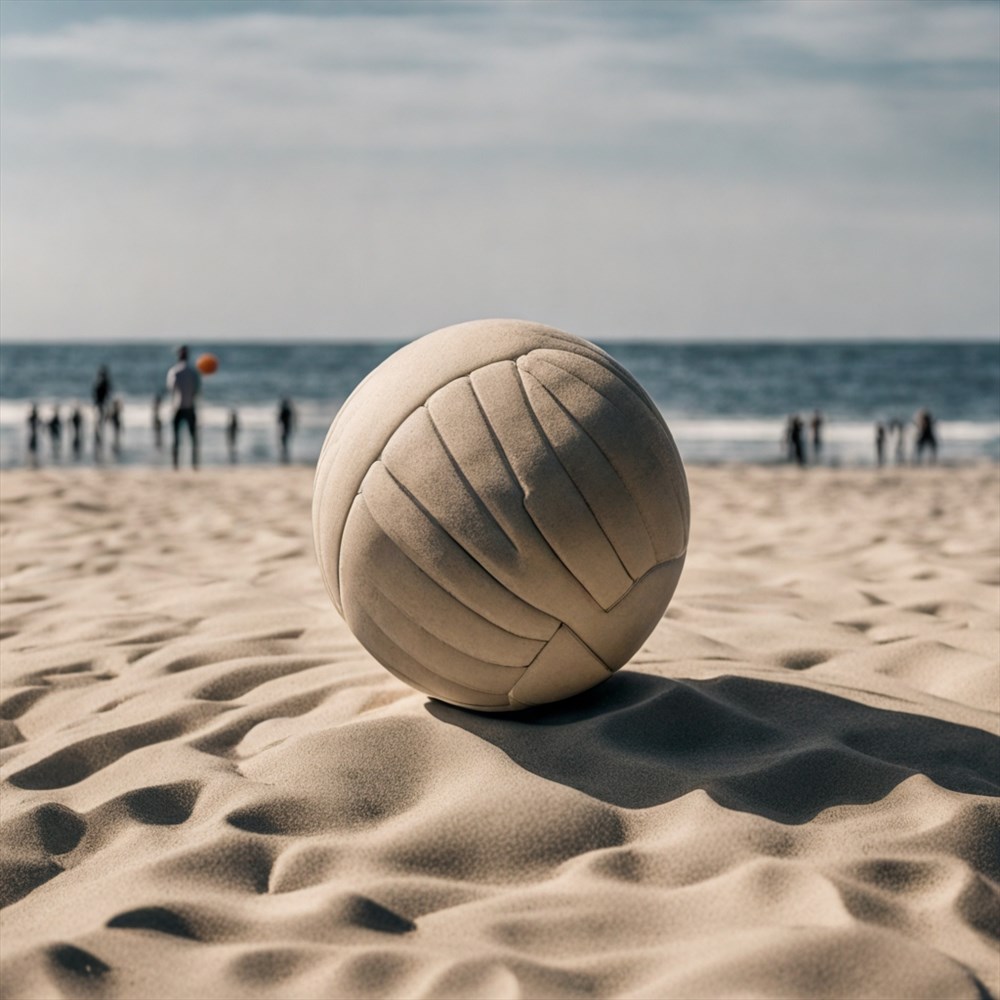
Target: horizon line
[379, 340]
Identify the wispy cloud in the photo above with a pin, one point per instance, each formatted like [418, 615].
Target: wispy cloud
[720, 169]
[514, 74]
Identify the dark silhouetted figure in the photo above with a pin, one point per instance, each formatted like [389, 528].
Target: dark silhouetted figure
[879, 444]
[898, 431]
[76, 422]
[117, 418]
[795, 439]
[34, 422]
[926, 438]
[232, 433]
[816, 426]
[55, 433]
[286, 424]
[157, 422]
[102, 396]
[184, 384]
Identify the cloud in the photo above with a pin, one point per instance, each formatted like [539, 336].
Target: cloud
[719, 169]
[352, 83]
[511, 77]
[927, 32]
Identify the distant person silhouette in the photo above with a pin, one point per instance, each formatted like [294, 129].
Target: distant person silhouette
[55, 433]
[286, 424]
[898, 431]
[157, 422]
[232, 433]
[926, 438]
[184, 384]
[117, 419]
[76, 422]
[102, 395]
[816, 426]
[879, 444]
[34, 422]
[794, 438]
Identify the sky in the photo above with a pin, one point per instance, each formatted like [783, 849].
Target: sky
[823, 169]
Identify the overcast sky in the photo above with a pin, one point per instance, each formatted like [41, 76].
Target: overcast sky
[262, 170]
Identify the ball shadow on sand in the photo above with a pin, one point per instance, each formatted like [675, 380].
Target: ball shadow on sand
[778, 750]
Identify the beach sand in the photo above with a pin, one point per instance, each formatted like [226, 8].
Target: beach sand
[211, 790]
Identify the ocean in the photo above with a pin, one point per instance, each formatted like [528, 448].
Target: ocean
[723, 402]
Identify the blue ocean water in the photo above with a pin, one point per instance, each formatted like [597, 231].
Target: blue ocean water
[723, 402]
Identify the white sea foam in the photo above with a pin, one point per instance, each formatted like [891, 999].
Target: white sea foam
[699, 438]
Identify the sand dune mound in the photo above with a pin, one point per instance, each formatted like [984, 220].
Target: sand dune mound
[210, 789]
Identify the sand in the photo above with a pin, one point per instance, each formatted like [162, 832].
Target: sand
[211, 790]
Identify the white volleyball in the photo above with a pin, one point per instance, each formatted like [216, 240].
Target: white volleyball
[500, 514]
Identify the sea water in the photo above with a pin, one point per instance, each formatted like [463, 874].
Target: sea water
[723, 402]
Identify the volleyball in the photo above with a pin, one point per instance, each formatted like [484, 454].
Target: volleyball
[207, 364]
[500, 514]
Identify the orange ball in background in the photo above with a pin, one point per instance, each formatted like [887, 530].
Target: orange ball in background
[207, 364]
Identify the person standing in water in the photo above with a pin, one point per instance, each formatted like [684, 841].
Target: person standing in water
[926, 438]
[34, 422]
[794, 440]
[286, 423]
[55, 433]
[816, 426]
[184, 384]
[102, 394]
[879, 444]
[232, 433]
[76, 421]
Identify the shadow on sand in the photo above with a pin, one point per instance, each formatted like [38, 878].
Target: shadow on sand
[778, 750]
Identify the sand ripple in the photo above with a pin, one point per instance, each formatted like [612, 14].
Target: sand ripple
[210, 790]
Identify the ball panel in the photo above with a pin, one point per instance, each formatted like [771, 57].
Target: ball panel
[416, 457]
[417, 597]
[446, 562]
[461, 424]
[445, 661]
[564, 667]
[402, 665]
[363, 595]
[602, 373]
[398, 386]
[633, 401]
[614, 636]
[418, 462]
[550, 497]
[649, 465]
[602, 488]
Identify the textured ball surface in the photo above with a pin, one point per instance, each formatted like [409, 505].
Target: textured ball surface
[500, 514]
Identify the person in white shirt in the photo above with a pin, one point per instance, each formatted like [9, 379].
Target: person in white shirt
[184, 384]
